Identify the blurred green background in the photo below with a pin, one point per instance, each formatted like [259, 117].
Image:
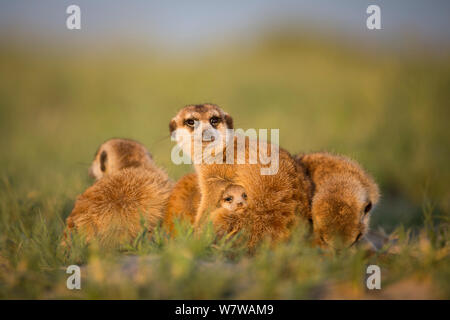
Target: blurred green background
[310, 69]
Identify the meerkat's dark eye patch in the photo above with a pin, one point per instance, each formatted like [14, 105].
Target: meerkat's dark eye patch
[189, 122]
[229, 199]
[214, 121]
[368, 207]
[103, 158]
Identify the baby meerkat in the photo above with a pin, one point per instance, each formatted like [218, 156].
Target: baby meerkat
[273, 199]
[234, 198]
[123, 200]
[185, 199]
[344, 195]
[116, 154]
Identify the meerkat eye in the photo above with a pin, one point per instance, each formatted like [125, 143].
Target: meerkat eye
[229, 199]
[189, 122]
[244, 196]
[214, 121]
[368, 207]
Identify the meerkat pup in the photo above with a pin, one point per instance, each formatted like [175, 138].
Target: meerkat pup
[344, 196]
[229, 217]
[122, 200]
[234, 198]
[116, 154]
[273, 199]
[185, 199]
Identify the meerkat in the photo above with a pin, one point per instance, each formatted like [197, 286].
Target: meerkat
[185, 199]
[343, 198]
[234, 198]
[274, 199]
[123, 200]
[231, 206]
[183, 202]
[116, 154]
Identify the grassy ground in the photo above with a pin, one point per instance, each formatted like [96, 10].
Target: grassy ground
[388, 111]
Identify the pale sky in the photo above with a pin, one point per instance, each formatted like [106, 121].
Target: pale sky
[182, 23]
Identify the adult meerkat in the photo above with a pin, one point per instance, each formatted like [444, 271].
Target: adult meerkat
[185, 198]
[344, 195]
[274, 198]
[116, 154]
[123, 200]
[183, 201]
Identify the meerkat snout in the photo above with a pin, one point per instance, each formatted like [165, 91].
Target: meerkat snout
[116, 154]
[91, 172]
[343, 200]
[340, 218]
[209, 135]
[234, 198]
[341, 210]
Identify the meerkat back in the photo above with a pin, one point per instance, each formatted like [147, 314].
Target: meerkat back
[116, 208]
[129, 185]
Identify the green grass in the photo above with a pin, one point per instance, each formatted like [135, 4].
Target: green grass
[388, 111]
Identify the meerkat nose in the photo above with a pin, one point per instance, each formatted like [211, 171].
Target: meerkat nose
[207, 135]
[91, 172]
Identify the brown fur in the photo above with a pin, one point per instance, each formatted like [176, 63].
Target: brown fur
[183, 201]
[343, 191]
[110, 210]
[131, 186]
[116, 154]
[273, 200]
[185, 198]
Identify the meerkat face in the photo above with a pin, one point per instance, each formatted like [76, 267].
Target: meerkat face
[201, 124]
[340, 220]
[234, 198]
[117, 154]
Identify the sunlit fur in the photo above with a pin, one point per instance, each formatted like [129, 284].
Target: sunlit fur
[273, 200]
[183, 202]
[185, 197]
[343, 198]
[117, 154]
[131, 187]
[116, 208]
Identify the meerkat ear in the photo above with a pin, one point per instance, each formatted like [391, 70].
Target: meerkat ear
[229, 121]
[103, 158]
[172, 126]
